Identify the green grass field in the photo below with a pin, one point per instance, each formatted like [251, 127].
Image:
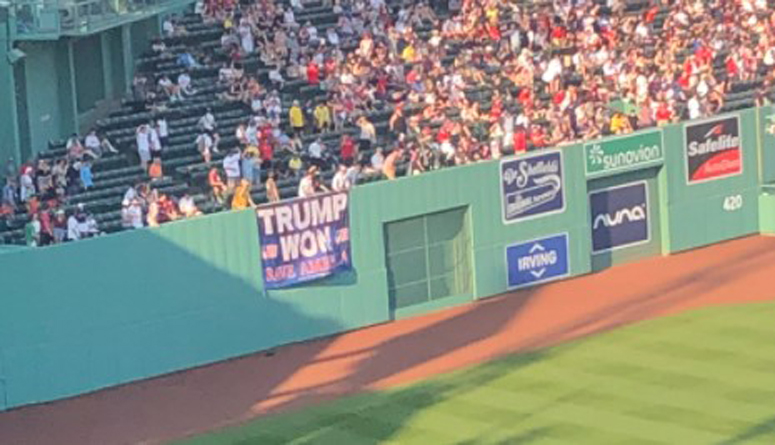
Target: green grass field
[706, 377]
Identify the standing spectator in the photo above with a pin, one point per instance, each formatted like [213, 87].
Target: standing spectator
[86, 175]
[368, 135]
[205, 145]
[347, 150]
[231, 166]
[73, 234]
[242, 198]
[272, 193]
[143, 140]
[32, 231]
[251, 170]
[389, 166]
[340, 181]
[322, 117]
[307, 183]
[296, 117]
[316, 152]
[162, 129]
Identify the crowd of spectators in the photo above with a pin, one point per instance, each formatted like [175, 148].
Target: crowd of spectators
[554, 72]
[462, 81]
[44, 188]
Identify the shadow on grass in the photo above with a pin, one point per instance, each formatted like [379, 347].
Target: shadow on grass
[762, 430]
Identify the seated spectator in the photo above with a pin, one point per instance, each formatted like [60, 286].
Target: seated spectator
[217, 186]
[188, 207]
[155, 171]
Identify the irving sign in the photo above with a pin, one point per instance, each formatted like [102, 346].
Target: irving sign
[713, 149]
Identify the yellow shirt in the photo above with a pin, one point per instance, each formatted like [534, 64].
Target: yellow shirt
[296, 117]
[322, 115]
[408, 53]
[294, 163]
[240, 200]
[617, 123]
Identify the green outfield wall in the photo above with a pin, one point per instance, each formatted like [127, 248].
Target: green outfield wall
[79, 317]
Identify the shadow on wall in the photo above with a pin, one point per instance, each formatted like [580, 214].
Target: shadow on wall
[100, 319]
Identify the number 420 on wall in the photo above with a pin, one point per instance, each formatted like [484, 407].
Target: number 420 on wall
[733, 202]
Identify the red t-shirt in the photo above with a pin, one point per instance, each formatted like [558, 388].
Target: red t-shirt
[663, 113]
[313, 73]
[520, 141]
[265, 151]
[347, 149]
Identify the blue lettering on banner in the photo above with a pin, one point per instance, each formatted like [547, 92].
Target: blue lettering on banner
[532, 186]
[537, 261]
[304, 239]
[620, 216]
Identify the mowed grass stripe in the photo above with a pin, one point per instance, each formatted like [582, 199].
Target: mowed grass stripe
[723, 372]
[698, 378]
[662, 388]
[574, 408]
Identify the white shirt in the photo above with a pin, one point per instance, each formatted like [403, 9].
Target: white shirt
[231, 165]
[92, 141]
[694, 108]
[155, 143]
[204, 141]
[143, 142]
[184, 81]
[73, 231]
[316, 150]
[306, 188]
[207, 122]
[377, 160]
[340, 182]
[163, 128]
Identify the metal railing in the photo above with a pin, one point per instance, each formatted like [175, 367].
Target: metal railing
[46, 18]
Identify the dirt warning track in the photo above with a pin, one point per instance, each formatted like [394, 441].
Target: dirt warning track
[194, 401]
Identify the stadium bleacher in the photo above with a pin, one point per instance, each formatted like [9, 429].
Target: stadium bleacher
[185, 171]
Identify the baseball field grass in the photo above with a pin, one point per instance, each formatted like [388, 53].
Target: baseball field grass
[704, 377]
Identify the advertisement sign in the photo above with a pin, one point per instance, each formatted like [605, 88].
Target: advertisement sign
[620, 216]
[537, 261]
[624, 153]
[304, 239]
[713, 149]
[532, 186]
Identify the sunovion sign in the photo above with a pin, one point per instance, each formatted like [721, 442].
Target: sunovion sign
[620, 216]
[624, 153]
[713, 149]
[532, 186]
[537, 261]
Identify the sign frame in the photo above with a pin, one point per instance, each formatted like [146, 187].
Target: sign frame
[502, 194]
[685, 148]
[568, 260]
[617, 170]
[648, 217]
